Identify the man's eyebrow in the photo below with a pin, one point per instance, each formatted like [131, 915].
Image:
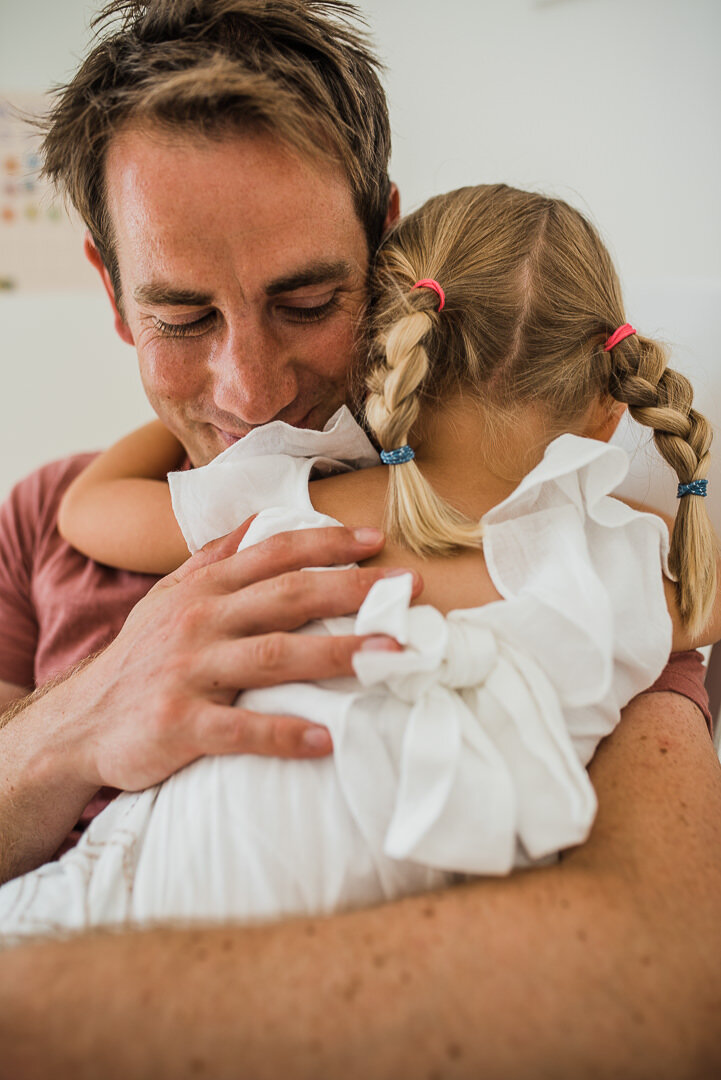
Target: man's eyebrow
[155, 292]
[317, 273]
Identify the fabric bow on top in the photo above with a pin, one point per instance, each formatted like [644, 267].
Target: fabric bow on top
[486, 760]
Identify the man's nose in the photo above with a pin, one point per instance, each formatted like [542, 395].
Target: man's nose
[254, 379]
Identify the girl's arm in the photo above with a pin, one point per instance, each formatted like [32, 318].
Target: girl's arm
[118, 512]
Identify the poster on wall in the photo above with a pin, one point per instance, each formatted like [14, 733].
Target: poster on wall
[41, 244]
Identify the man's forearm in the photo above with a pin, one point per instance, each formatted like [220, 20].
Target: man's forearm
[41, 795]
[606, 965]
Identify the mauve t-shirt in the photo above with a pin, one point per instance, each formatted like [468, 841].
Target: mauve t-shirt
[57, 607]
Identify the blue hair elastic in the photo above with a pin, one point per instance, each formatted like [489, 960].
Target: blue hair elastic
[695, 487]
[398, 456]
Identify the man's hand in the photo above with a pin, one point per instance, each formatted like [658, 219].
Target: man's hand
[161, 694]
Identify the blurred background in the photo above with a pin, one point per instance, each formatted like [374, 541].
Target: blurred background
[614, 105]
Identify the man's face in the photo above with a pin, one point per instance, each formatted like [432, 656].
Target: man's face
[243, 274]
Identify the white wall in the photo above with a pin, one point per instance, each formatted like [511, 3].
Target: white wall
[613, 104]
[66, 380]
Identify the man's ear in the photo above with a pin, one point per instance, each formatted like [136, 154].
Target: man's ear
[394, 208]
[93, 256]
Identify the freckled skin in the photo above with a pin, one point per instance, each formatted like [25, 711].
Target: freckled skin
[254, 361]
[497, 973]
[352, 989]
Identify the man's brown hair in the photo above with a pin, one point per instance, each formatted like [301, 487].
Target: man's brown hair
[297, 69]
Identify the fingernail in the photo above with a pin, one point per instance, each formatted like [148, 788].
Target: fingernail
[317, 738]
[417, 582]
[379, 644]
[368, 537]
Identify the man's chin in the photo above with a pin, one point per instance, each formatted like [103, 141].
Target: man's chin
[202, 451]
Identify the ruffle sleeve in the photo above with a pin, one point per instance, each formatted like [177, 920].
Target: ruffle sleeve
[270, 467]
[600, 627]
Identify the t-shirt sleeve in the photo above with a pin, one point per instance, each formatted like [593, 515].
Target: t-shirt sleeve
[685, 674]
[18, 623]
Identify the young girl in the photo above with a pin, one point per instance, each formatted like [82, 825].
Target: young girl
[500, 364]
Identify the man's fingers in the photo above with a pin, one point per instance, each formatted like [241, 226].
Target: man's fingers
[294, 599]
[212, 552]
[269, 659]
[289, 551]
[227, 627]
[226, 730]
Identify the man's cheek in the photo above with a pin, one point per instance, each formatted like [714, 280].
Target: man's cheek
[335, 360]
[169, 375]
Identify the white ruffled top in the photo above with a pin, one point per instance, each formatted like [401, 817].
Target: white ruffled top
[467, 751]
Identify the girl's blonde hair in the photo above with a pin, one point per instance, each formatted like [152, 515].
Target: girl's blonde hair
[531, 297]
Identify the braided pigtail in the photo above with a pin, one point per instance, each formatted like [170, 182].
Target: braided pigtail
[660, 398]
[415, 516]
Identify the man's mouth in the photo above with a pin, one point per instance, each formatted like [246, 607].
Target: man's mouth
[231, 437]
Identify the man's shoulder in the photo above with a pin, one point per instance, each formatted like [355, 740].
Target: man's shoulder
[39, 492]
[29, 513]
[56, 606]
[57, 473]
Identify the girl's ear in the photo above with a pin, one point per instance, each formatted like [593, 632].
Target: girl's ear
[93, 256]
[604, 417]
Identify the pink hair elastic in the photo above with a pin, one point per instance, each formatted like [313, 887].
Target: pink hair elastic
[430, 283]
[618, 335]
